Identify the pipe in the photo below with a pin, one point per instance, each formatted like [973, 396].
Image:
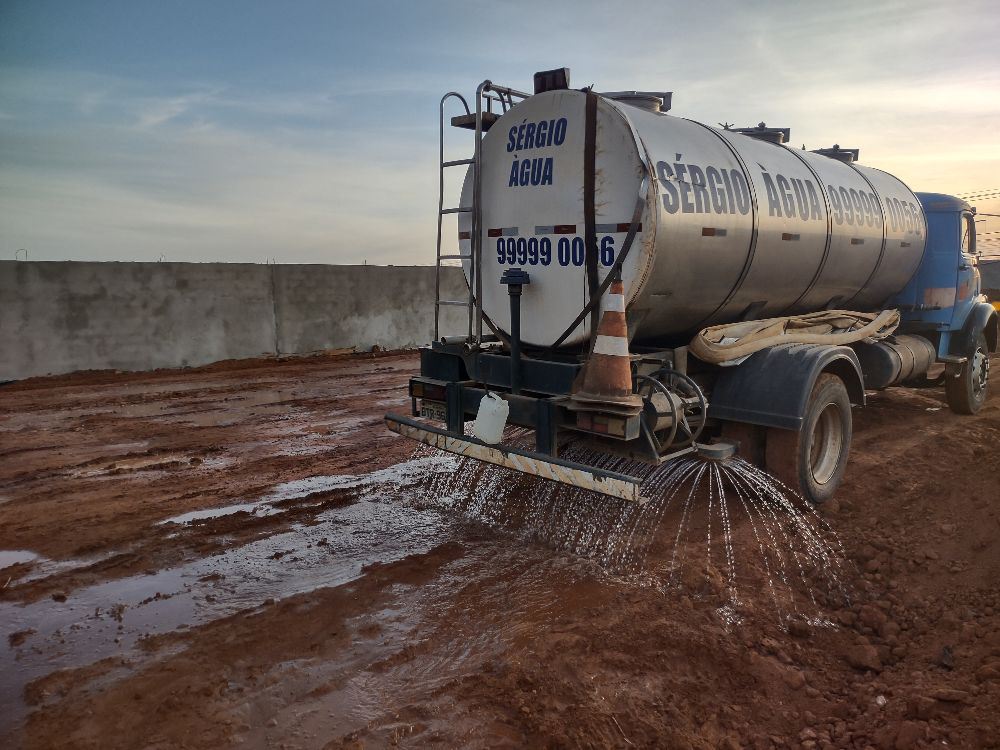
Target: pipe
[515, 279]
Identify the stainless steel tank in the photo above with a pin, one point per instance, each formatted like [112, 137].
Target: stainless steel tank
[732, 226]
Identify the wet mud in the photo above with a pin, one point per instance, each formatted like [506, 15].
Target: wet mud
[241, 555]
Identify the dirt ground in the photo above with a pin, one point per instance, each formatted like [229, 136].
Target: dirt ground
[242, 555]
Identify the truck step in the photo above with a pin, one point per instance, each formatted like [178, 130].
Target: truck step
[469, 121]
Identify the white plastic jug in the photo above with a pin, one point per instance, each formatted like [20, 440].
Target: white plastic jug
[491, 419]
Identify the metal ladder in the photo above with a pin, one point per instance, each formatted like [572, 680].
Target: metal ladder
[479, 122]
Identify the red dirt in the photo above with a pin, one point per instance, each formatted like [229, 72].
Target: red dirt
[364, 615]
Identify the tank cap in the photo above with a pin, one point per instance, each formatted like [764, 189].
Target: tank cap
[846, 155]
[551, 80]
[763, 133]
[652, 101]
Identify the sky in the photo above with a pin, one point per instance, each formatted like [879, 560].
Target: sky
[307, 132]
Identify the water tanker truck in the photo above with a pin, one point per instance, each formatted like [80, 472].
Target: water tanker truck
[646, 286]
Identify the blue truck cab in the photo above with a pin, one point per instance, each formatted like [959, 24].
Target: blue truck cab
[944, 302]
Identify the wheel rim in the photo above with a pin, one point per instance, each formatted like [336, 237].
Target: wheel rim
[826, 445]
[980, 372]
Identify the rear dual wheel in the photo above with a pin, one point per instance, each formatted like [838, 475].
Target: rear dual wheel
[813, 459]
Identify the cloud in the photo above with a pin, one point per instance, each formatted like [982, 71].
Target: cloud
[178, 176]
[332, 156]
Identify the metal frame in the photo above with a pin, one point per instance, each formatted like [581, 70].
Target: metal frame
[528, 462]
[486, 92]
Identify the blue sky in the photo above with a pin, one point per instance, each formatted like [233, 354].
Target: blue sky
[307, 131]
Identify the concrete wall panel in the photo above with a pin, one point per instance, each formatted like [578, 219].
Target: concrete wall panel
[58, 317]
[330, 307]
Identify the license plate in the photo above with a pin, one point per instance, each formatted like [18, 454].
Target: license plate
[433, 410]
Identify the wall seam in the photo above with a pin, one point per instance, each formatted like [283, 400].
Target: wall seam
[275, 316]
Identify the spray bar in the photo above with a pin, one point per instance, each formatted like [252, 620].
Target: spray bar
[574, 474]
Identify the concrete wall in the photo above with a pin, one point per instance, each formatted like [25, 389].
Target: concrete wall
[61, 317]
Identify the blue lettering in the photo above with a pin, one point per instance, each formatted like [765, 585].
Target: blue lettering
[729, 190]
[541, 133]
[525, 174]
[814, 211]
[545, 251]
[522, 251]
[742, 192]
[578, 251]
[858, 208]
[714, 192]
[773, 206]
[607, 250]
[845, 200]
[520, 136]
[560, 134]
[670, 197]
[529, 135]
[876, 209]
[786, 196]
[547, 172]
[563, 249]
[838, 209]
[511, 139]
[512, 182]
[800, 198]
[681, 171]
[536, 171]
[866, 206]
[698, 188]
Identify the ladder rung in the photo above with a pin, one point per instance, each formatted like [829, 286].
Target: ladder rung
[456, 257]
[457, 162]
[455, 302]
[460, 210]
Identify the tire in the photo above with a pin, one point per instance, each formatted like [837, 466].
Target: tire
[812, 460]
[967, 392]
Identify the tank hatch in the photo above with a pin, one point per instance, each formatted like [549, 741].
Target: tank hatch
[653, 101]
[762, 132]
[846, 155]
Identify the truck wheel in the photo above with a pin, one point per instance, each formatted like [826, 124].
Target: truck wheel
[967, 392]
[813, 459]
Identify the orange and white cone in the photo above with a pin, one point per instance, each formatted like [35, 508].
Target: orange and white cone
[607, 376]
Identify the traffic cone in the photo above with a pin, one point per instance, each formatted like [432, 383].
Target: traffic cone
[607, 375]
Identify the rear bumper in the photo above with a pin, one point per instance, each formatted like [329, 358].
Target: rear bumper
[540, 465]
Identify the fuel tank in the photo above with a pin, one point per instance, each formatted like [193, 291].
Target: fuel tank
[731, 227]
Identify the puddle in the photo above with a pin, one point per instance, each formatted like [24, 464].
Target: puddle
[257, 509]
[402, 474]
[41, 567]
[10, 557]
[109, 619]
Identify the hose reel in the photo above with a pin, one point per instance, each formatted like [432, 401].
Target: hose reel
[674, 409]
